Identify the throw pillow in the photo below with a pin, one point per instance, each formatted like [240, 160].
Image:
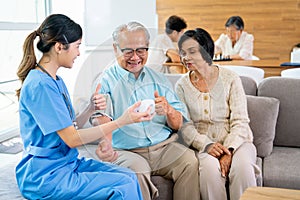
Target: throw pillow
[263, 113]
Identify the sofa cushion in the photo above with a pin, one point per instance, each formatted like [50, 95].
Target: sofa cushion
[286, 90]
[263, 112]
[8, 183]
[281, 168]
[249, 85]
[164, 186]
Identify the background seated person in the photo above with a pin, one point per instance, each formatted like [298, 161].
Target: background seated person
[162, 48]
[295, 54]
[236, 44]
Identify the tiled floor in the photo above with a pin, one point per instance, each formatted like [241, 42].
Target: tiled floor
[8, 185]
[9, 116]
[9, 158]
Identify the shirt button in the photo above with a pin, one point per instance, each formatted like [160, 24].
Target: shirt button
[214, 135]
[205, 97]
[205, 111]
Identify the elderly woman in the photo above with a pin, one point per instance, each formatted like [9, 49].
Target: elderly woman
[236, 44]
[219, 125]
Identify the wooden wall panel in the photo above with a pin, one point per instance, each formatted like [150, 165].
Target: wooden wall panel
[275, 24]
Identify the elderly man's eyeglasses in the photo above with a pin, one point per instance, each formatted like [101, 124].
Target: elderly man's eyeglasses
[128, 52]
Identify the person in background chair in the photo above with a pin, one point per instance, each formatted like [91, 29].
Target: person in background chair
[236, 44]
[219, 128]
[50, 167]
[149, 148]
[164, 48]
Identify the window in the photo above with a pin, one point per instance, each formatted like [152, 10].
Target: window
[17, 19]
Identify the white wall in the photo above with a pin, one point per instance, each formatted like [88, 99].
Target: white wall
[99, 19]
[102, 17]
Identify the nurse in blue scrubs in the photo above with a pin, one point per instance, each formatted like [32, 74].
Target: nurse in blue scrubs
[50, 167]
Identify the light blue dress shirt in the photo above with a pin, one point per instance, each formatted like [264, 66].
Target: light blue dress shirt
[124, 90]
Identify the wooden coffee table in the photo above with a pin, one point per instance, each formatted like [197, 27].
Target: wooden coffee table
[269, 193]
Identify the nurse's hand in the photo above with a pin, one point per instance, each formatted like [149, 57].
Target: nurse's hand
[105, 152]
[132, 116]
[99, 100]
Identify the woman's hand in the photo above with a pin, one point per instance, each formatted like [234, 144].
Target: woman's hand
[225, 163]
[217, 150]
[99, 100]
[131, 116]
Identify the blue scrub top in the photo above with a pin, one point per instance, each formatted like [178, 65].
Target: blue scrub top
[44, 108]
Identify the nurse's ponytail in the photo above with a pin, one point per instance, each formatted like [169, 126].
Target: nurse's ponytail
[55, 28]
[29, 60]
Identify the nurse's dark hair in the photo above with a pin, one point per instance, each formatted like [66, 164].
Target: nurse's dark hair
[205, 41]
[55, 28]
[235, 21]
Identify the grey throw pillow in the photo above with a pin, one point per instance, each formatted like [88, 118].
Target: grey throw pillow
[263, 113]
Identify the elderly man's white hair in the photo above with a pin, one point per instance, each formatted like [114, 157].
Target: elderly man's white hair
[131, 26]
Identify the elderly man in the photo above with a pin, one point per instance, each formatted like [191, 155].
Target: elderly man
[147, 148]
